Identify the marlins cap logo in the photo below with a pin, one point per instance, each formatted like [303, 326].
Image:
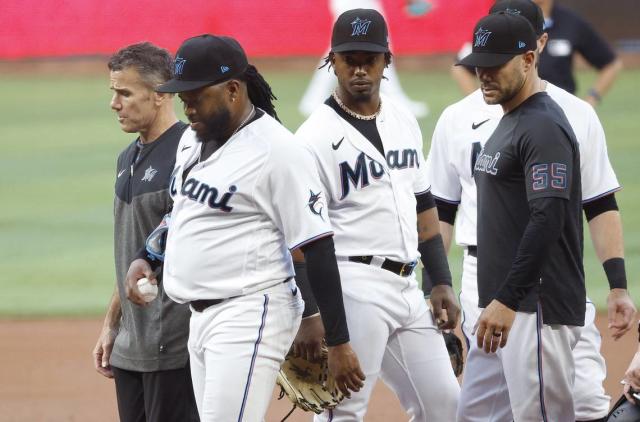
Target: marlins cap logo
[179, 66]
[513, 11]
[482, 36]
[360, 27]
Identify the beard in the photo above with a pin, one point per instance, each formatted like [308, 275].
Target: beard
[216, 127]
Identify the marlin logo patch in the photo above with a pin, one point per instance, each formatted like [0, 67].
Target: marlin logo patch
[315, 203]
[149, 174]
[224, 69]
[482, 36]
[360, 27]
[179, 65]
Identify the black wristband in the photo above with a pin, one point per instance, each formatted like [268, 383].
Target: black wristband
[302, 280]
[616, 273]
[427, 284]
[435, 262]
[143, 254]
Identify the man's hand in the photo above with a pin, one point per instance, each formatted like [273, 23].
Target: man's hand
[632, 377]
[345, 368]
[102, 351]
[621, 312]
[493, 326]
[308, 341]
[138, 269]
[444, 306]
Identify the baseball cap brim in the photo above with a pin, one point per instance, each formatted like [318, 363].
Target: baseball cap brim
[174, 86]
[360, 46]
[482, 59]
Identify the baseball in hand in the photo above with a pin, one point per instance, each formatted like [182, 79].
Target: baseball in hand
[149, 291]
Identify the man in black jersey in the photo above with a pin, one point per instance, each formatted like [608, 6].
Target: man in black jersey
[369, 154]
[144, 349]
[530, 274]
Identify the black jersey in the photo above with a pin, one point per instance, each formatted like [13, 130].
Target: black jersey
[568, 34]
[533, 154]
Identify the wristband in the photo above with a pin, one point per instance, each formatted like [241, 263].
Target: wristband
[616, 273]
[594, 94]
[302, 281]
[434, 260]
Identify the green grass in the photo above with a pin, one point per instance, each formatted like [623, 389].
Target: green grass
[58, 146]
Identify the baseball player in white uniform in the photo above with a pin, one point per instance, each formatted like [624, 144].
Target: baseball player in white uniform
[241, 192]
[460, 134]
[369, 154]
[323, 82]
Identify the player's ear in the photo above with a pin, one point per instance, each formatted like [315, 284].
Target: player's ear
[529, 60]
[232, 90]
[542, 42]
[160, 98]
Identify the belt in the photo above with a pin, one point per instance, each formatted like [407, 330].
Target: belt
[472, 251]
[403, 269]
[202, 304]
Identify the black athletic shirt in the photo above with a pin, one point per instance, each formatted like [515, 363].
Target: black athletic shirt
[568, 34]
[531, 161]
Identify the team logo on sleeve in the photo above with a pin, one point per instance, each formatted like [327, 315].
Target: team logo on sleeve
[316, 204]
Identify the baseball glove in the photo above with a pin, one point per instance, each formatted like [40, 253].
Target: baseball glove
[454, 346]
[309, 385]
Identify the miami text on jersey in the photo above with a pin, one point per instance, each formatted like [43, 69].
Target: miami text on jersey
[359, 173]
[487, 163]
[201, 192]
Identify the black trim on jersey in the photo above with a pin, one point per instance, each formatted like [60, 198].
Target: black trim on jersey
[424, 201]
[324, 278]
[446, 211]
[546, 222]
[598, 206]
[367, 128]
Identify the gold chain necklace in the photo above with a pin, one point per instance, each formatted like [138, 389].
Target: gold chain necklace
[353, 113]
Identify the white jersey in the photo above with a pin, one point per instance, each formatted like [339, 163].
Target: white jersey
[371, 198]
[239, 212]
[463, 129]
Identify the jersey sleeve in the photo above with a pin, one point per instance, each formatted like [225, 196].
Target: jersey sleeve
[421, 182]
[593, 47]
[597, 175]
[294, 196]
[445, 181]
[546, 153]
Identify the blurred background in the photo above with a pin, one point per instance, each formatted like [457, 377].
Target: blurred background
[59, 142]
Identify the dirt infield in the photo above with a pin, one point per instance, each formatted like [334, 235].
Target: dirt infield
[46, 374]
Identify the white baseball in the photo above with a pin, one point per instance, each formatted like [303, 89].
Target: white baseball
[149, 291]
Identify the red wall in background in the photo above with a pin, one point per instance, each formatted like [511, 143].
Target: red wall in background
[50, 28]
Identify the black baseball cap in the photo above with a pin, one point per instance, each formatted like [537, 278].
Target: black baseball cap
[498, 38]
[205, 60]
[360, 30]
[525, 8]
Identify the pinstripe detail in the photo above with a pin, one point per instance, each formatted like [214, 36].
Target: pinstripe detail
[330, 415]
[540, 377]
[253, 358]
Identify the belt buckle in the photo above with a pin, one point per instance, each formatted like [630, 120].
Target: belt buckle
[407, 268]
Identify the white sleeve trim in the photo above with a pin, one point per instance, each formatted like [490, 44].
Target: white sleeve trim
[305, 242]
[609, 192]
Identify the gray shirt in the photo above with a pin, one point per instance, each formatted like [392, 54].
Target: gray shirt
[152, 338]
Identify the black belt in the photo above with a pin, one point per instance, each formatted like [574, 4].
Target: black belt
[202, 304]
[472, 251]
[400, 268]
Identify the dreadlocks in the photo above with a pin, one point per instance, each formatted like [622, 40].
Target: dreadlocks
[259, 91]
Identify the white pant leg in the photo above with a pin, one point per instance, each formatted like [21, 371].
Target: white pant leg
[590, 400]
[368, 333]
[417, 367]
[539, 368]
[484, 396]
[236, 349]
